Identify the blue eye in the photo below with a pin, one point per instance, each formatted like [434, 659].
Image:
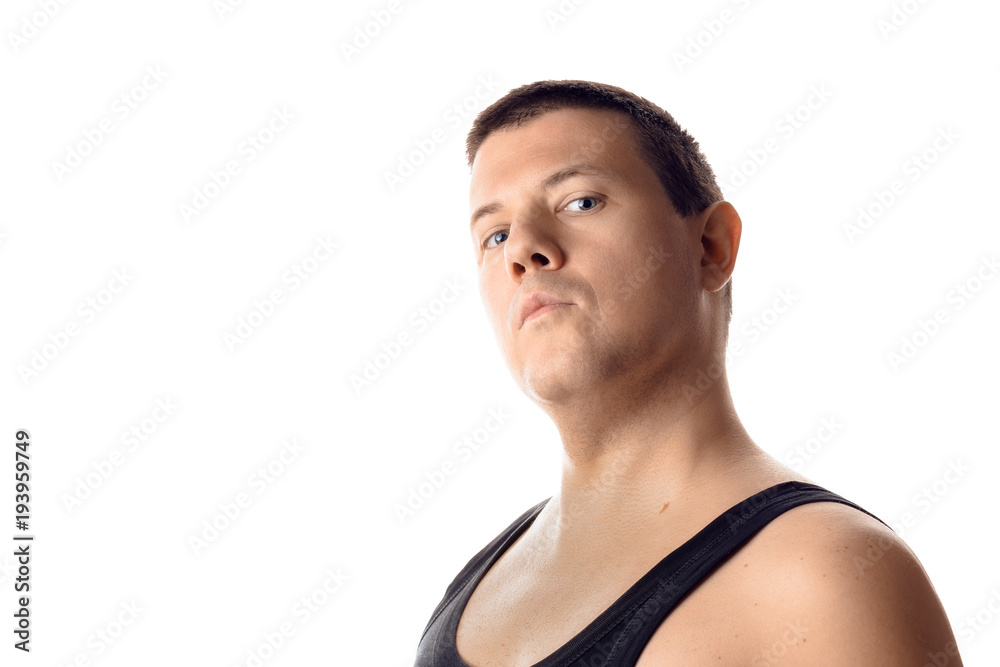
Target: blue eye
[594, 202]
[491, 237]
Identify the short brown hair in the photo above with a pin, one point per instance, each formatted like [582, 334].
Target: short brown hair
[673, 154]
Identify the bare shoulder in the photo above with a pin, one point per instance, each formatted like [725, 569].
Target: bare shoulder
[858, 593]
[823, 584]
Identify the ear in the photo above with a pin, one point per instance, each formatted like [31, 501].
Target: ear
[721, 229]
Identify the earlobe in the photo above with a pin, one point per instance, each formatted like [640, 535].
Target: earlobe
[721, 230]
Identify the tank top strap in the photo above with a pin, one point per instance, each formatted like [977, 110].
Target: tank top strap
[663, 588]
[482, 561]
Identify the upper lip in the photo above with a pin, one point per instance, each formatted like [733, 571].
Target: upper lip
[532, 301]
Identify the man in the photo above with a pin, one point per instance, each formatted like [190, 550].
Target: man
[605, 253]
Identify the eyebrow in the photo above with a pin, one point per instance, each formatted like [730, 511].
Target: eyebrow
[550, 182]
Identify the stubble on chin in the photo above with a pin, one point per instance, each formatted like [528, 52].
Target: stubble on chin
[566, 360]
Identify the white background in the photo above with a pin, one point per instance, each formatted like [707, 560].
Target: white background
[63, 234]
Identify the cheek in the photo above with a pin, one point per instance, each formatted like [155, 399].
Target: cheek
[645, 282]
[495, 300]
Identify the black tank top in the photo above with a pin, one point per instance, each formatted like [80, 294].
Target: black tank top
[617, 637]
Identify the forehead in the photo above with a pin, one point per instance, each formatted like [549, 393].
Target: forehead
[523, 157]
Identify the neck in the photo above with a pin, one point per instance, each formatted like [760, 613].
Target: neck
[630, 457]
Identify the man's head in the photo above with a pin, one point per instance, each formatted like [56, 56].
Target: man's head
[595, 196]
[669, 150]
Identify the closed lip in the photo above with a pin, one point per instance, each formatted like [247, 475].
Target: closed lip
[534, 301]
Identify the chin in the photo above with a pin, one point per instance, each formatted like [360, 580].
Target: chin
[548, 392]
[552, 379]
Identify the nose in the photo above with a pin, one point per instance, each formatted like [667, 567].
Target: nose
[532, 245]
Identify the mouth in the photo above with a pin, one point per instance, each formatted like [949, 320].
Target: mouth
[541, 312]
[536, 305]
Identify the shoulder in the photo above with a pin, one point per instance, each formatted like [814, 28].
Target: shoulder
[823, 584]
[856, 591]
